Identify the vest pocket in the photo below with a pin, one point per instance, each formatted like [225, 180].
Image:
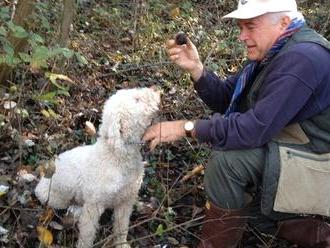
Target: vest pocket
[304, 183]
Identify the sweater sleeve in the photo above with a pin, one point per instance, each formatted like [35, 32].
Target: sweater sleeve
[215, 92]
[283, 94]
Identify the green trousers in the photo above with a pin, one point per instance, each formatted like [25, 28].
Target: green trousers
[233, 180]
[230, 176]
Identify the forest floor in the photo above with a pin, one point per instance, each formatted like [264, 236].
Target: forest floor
[123, 42]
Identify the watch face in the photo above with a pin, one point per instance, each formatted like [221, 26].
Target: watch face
[189, 125]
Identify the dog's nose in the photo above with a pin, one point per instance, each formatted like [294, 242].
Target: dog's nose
[158, 90]
[155, 88]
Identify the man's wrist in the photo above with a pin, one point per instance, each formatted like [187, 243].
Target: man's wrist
[197, 72]
[189, 128]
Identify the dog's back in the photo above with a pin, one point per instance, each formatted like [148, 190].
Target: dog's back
[59, 190]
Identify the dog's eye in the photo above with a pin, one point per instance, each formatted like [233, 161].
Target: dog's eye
[137, 99]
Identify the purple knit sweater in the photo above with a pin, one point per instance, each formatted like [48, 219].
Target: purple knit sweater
[297, 87]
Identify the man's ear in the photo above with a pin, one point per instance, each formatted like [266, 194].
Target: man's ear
[285, 22]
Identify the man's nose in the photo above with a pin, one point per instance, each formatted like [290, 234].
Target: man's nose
[242, 36]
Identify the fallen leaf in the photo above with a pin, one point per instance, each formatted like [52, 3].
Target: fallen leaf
[46, 216]
[45, 113]
[56, 226]
[31, 136]
[44, 235]
[26, 168]
[24, 176]
[174, 13]
[53, 76]
[90, 128]
[3, 189]
[52, 113]
[207, 205]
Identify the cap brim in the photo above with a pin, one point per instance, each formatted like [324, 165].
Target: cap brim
[244, 14]
[248, 13]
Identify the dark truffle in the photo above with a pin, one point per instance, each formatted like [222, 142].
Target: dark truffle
[181, 38]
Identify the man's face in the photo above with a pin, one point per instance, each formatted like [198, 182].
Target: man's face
[259, 34]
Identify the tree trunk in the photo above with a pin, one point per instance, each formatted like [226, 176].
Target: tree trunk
[326, 28]
[23, 10]
[68, 13]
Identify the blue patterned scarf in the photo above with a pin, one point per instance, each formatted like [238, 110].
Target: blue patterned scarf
[247, 72]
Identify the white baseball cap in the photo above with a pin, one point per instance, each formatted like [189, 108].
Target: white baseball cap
[252, 8]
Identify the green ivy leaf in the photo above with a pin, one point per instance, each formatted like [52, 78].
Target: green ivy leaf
[63, 51]
[67, 53]
[8, 49]
[48, 97]
[10, 60]
[63, 92]
[45, 23]
[160, 230]
[39, 57]
[37, 38]
[25, 57]
[4, 13]
[2, 59]
[81, 59]
[18, 31]
[3, 31]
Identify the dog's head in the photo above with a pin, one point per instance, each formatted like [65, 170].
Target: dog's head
[127, 114]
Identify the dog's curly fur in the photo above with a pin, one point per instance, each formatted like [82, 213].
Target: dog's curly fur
[109, 173]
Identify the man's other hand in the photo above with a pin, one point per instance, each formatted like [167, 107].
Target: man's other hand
[167, 131]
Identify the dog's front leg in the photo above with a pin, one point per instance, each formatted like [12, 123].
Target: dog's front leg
[88, 224]
[122, 215]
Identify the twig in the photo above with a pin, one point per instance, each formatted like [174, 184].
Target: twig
[137, 67]
[197, 170]
[14, 10]
[106, 240]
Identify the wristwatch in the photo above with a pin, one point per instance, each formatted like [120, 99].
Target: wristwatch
[189, 127]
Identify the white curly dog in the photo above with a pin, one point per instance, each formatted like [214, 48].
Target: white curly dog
[107, 174]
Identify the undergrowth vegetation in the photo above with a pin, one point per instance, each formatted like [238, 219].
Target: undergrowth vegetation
[52, 91]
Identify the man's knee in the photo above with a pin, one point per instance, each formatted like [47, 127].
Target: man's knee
[240, 163]
[224, 163]
[229, 173]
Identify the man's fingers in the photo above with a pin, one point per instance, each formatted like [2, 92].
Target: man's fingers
[174, 51]
[154, 143]
[189, 43]
[147, 136]
[170, 43]
[150, 133]
[174, 57]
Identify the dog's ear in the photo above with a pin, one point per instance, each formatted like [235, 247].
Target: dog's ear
[125, 128]
[118, 130]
